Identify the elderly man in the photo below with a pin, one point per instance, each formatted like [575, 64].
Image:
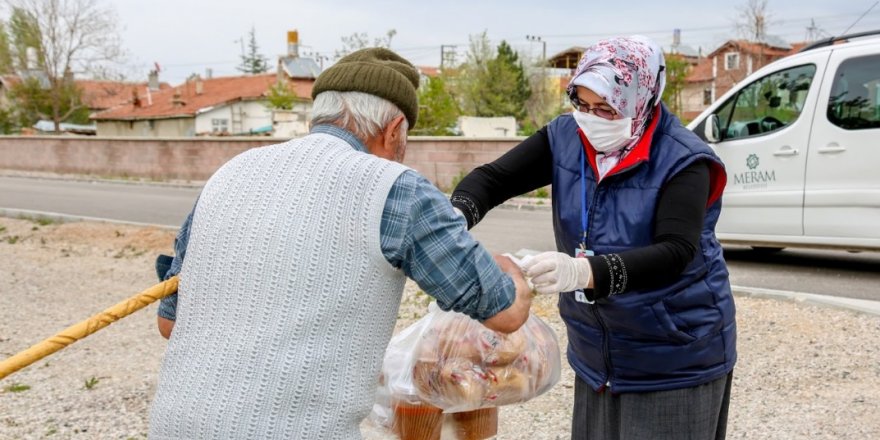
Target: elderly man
[295, 260]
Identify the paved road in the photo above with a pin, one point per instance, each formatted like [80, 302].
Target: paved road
[834, 273]
[118, 201]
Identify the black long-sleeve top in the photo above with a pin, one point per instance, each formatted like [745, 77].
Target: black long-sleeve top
[679, 218]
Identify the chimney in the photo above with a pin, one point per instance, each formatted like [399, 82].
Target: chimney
[209, 73]
[135, 99]
[293, 44]
[176, 100]
[200, 86]
[68, 76]
[153, 82]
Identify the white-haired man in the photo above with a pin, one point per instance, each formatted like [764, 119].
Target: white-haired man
[292, 266]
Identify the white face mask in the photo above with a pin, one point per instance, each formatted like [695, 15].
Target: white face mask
[605, 135]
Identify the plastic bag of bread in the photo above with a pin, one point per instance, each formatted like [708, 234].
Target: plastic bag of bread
[452, 362]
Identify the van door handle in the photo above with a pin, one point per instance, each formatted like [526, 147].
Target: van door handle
[786, 151]
[833, 148]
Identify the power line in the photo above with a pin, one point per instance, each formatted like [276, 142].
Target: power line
[860, 18]
[716, 27]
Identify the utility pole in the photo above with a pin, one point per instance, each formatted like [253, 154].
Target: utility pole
[320, 58]
[812, 31]
[447, 55]
[538, 39]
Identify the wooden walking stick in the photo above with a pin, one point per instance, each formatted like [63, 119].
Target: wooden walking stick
[84, 328]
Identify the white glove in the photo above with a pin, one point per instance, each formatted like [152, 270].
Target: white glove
[554, 272]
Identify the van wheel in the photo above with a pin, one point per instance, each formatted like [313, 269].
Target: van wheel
[766, 250]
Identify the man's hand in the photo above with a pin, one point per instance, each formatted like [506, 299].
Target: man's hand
[165, 326]
[513, 317]
[554, 272]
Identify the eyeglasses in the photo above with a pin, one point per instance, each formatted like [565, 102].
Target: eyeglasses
[604, 112]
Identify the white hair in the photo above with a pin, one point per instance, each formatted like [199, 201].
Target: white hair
[363, 114]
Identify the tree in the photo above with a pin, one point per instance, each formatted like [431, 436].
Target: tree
[473, 75]
[495, 85]
[357, 41]
[545, 101]
[33, 101]
[438, 111]
[67, 36]
[752, 20]
[6, 65]
[253, 62]
[676, 72]
[280, 97]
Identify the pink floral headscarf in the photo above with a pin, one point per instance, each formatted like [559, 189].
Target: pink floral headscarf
[628, 73]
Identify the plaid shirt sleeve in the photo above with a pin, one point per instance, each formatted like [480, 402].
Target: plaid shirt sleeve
[168, 305]
[424, 237]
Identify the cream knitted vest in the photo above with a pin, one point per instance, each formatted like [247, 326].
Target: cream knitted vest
[286, 300]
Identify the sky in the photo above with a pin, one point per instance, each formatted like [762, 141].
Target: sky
[190, 36]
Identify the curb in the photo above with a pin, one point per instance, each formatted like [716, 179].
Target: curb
[92, 179]
[67, 218]
[519, 206]
[859, 305]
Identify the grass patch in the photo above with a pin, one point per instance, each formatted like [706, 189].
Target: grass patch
[2, 228]
[12, 239]
[16, 387]
[130, 252]
[42, 221]
[91, 382]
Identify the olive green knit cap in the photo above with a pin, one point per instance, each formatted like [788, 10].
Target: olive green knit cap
[376, 71]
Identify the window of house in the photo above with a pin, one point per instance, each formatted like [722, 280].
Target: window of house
[766, 105]
[219, 125]
[707, 96]
[855, 94]
[731, 61]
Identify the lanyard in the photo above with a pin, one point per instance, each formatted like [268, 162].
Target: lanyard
[584, 199]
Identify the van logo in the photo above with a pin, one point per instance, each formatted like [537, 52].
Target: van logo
[752, 162]
[754, 178]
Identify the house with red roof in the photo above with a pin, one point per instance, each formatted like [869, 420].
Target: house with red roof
[221, 106]
[100, 95]
[717, 72]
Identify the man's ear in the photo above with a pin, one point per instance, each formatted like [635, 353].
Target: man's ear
[391, 135]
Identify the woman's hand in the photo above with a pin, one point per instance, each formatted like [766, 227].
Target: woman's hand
[554, 272]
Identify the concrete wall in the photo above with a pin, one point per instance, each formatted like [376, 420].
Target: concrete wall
[440, 159]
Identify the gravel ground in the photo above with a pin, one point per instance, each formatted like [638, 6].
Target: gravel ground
[803, 372]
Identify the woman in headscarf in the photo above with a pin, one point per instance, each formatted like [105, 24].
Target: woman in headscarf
[644, 288]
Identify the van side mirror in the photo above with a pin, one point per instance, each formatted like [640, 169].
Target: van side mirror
[711, 131]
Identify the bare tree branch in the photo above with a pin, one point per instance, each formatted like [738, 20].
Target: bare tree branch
[74, 36]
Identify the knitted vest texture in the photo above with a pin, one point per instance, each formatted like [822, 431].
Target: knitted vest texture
[286, 300]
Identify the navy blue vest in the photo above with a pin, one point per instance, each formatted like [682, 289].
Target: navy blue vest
[678, 336]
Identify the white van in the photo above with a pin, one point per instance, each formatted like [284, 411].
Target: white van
[801, 142]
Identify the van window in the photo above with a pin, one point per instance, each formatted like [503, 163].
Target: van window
[766, 105]
[854, 103]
